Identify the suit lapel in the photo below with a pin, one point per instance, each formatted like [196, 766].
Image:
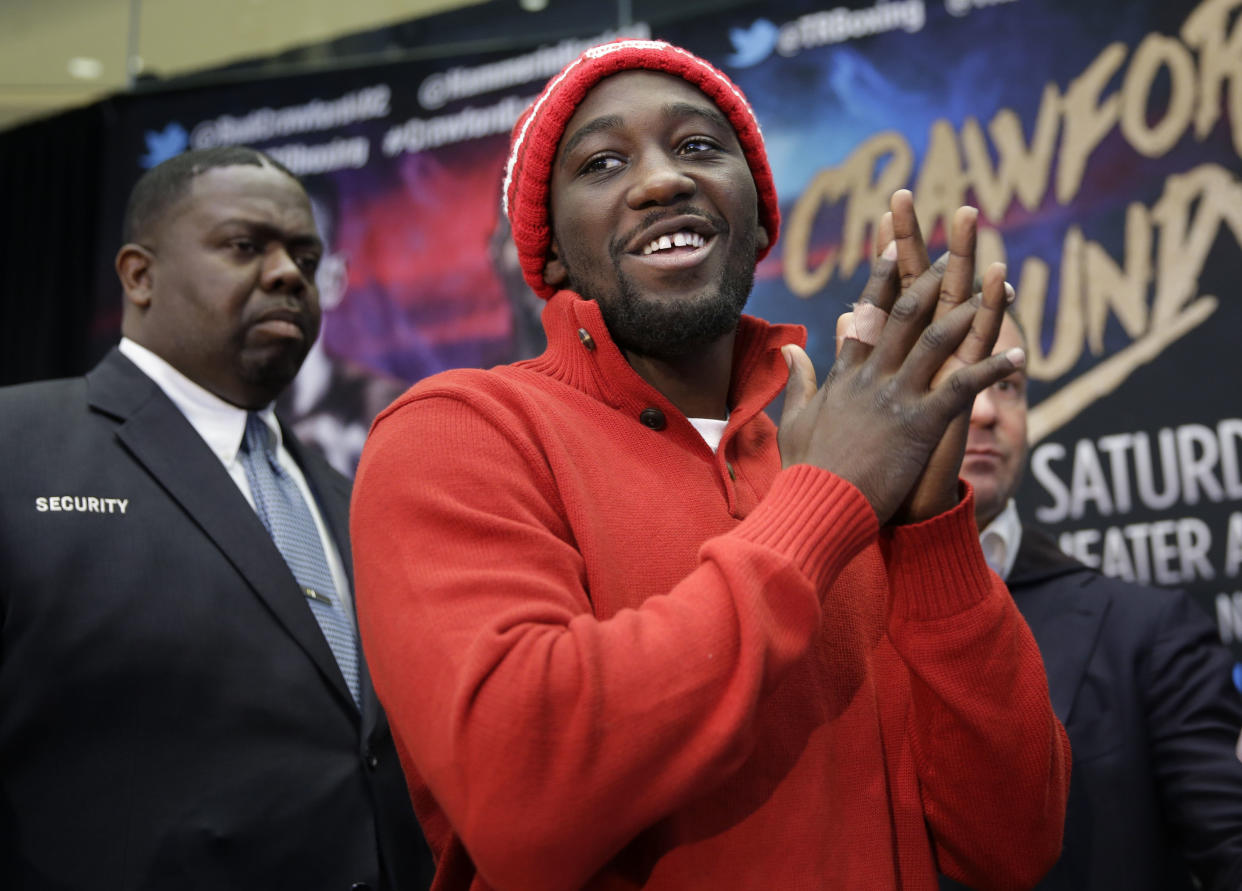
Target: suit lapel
[1066, 627]
[167, 446]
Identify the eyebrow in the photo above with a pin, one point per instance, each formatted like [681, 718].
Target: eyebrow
[671, 110]
[690, 109]
[595, 125]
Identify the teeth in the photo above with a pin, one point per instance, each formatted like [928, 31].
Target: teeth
[677, 239]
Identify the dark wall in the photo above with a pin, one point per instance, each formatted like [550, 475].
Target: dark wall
[50, 174]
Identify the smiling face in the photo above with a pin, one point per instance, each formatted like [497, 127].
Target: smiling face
[996, 444]
[654, 214]
[223, 285]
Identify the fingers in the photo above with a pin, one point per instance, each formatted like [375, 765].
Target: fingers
[927, 294]
[912, 259]
[865, 324]
[801, 386]
[958, 392]
[986, 324]
[927, 297]
[960, 341]
[959, 276]
[881, 287]
[883, 233]
[909, 317]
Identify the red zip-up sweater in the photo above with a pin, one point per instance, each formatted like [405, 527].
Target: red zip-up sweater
[613, 659]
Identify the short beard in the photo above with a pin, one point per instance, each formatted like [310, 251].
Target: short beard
[672, 329]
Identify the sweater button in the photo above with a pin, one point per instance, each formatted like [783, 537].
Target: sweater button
[587, 340]
[653, 418]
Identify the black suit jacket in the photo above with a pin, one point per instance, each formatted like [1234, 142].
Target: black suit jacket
[171, 716]
[1144, 688]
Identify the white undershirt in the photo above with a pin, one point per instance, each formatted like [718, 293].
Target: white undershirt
[222, 426]
[1001, 539]
[711, 429]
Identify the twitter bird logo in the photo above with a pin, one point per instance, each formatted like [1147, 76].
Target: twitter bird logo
[752, 45]
[164, 144]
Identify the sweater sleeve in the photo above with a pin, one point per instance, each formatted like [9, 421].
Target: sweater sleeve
[992, 758]
[548, 737]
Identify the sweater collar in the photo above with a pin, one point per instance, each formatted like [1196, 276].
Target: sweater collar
[582, 354]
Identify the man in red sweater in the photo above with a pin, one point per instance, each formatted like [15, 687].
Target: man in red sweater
[632, 634]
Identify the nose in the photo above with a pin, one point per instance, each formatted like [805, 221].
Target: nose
[659, 181]
[281, 272]
[983, 412]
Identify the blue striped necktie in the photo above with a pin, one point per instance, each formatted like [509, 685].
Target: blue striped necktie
[283, 510]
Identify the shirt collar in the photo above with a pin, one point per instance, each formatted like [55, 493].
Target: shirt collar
[1001, 539]
[221, 424]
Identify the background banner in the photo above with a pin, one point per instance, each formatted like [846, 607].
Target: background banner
[1102, 151]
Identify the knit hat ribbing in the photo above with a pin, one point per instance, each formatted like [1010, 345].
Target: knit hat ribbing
[538, 132]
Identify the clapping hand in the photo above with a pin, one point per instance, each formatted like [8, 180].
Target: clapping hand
[891, 416]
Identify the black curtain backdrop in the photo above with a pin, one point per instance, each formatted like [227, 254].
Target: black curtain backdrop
[50, 180]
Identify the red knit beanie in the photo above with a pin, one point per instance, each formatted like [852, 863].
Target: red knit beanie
[538, 131]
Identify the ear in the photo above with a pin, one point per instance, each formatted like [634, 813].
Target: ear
[134, 268]
[761, 239]
[555, 273]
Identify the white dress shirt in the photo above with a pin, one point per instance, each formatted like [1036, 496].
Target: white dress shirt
[1001, 538]
[222, 426]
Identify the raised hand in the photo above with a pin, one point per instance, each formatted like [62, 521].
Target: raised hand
[937, 488]
[911, 365]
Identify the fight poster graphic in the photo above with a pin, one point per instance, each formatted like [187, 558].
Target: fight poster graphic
[1102, 150]
[1103, 155]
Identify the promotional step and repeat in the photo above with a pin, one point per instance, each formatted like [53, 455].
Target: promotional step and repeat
[1101, 147]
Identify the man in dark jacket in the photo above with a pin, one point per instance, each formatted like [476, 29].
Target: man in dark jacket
[183, 702]
[1136, 674]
